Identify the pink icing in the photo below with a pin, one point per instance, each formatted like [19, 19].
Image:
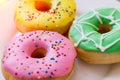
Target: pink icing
[58, 62]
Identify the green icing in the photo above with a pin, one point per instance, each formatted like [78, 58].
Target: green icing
[85, 32]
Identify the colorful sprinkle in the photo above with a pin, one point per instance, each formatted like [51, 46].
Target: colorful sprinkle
[46, 71]
[37, 61]
[29, 73]
[52, 58]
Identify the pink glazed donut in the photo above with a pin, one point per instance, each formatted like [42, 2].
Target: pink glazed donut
[39, 55]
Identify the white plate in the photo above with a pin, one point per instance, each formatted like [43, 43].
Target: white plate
[83, 71]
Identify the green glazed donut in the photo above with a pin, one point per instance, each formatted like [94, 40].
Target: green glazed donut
[86, 33]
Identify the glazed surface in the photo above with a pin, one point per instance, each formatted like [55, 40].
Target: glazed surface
[85, 33]
[58, 18]
[58, 61]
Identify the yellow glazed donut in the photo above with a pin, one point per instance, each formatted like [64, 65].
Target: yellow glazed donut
[53, 15]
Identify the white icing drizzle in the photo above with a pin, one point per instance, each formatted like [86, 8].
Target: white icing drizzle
[84, 37]
[98, 17]
[103, 36]
[86, 18]
[110, 17]
[91, 25]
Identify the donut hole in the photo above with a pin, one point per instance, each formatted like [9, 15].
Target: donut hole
[42, 5]
[39, 53]
[104, 28]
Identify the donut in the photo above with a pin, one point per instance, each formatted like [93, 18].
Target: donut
[39, 55]
[95, 35]
[52, 15]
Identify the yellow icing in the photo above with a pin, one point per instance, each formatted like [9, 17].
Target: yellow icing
[58, 18]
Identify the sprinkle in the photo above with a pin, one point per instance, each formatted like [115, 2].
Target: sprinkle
[46, 64]
[18, 46]
[42, 62]
[35, 32]
[17, 67]
[27, 37]
[23, 38]
[50, 41]
[52, 33]
[29, 73]
[53, 21]
[50, 76]
[33, 40]
[37, 72]
[52, 73]
[52, 58]
[40, 68]
[66, 10]
[21, 64]
[19, 11]
[58, 55]
[56, 61]
[17, 59]
[36, 45]
[9, 49]
[48, 67]
[59, 3]
[50, 64]
[6, 57]
[14, 54]
[3, 61]
[46, 71]
[55, 70]
[24, 69]
[37, 36]
[45, 39]
[9, 53]
[19, 6]
[46, 26]
[32, 72]
[22, 34]
[16, 73]
[23, 51]
[48, 19]
[59, 15]
[13, 43]
[37, 61]
[64, 44]
[64, 54]
[60, 41]
[27, 57]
